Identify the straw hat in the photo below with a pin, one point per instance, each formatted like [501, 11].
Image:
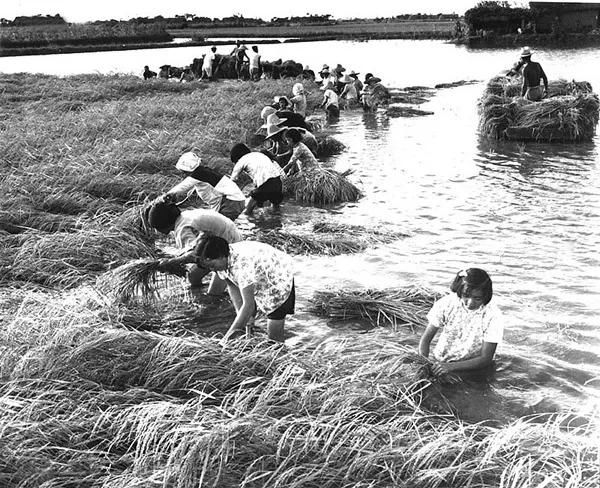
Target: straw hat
[277, 98]
[274, 130]
[345, 79]
[373, 79]
[273, 119]
[525, 52]
[353, 73]
[188, 161]
[243, 47]
[265, 112]
[339, 68]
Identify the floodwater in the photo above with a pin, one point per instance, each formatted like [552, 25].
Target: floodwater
[527, 213]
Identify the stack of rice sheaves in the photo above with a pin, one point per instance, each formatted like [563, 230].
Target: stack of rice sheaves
[569, 113]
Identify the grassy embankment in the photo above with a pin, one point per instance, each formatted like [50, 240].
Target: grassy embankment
[20, 41]
[87, 401]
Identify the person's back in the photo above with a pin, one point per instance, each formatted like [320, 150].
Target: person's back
[195, 221]
[533, 74]
[259, 167]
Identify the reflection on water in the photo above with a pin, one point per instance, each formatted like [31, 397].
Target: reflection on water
[527, 213]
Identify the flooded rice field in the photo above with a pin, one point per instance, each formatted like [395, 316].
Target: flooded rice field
[529, 213]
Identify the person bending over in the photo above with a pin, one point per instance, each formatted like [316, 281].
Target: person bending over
[188, 226]
[302, 158]
[257, 276]
[213, 188]
[264, 172]
[469, 326]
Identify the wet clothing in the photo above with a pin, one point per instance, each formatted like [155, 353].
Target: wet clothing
[271, 190]
[268, 269]
[350, 94]
[330, 98]
[191, 223]
[464, 331]
[533, 74]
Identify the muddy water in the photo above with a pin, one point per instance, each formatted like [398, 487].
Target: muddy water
[527, 213]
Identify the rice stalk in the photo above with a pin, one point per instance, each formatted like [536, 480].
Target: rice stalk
[376, 307]
[328, 146]
[321, 186]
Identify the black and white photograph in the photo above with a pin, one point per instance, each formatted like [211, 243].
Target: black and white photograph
[299, 244]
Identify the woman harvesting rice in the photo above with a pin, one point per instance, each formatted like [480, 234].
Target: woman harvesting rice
[471, 327]
[256, 275]
[302, 158]
[188, 226]
[213, 188]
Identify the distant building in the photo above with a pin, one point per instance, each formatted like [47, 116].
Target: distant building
[566, 16]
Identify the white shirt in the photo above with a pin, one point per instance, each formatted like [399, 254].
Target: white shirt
[210, 57]
[259, 167]
[464, 331]
[191, 223]
[331, 98]
[254, 60]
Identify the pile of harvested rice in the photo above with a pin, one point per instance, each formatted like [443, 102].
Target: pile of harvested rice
[329, 238]
[141, 277]
[395, 307]
[569, 113]
[321, 186]
[328, 146]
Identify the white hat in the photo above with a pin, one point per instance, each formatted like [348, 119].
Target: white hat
[525, 52]
[298, 89]
[273, 130]
[188, 161]
[265, 112]
[273, 119]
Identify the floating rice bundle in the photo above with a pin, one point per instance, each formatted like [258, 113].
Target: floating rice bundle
[68, 259]
[407, 306]
[328, 146]
[569, 113]
[141, 277]
[328, 238]
[321, 186]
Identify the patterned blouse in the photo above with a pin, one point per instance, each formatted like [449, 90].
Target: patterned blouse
[261, 265]
[303, 157]
[464, 331]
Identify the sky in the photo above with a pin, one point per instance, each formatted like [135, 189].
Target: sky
[86, 10]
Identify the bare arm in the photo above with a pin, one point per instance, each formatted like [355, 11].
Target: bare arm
[426, 339]
[244, 299]
[544, 78]
[484, 359]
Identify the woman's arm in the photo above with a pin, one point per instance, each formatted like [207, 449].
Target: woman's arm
[246, 310]
[484, 359]
[426, 338]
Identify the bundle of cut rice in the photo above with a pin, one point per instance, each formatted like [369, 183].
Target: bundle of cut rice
[569, 113]
[393, 306]
[321, 186]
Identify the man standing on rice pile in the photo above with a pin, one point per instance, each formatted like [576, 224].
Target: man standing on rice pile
[188, 226]
[239, 54]
[216, 190]
[256, 275]
[532, 75]
[254, 64]
[264, 172]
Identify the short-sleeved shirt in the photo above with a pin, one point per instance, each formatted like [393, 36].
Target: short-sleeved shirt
[259, 167]
[303, 157]
[330, 98]
[261, 265]
[463, 331]
[254, 60]
[191, 223]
